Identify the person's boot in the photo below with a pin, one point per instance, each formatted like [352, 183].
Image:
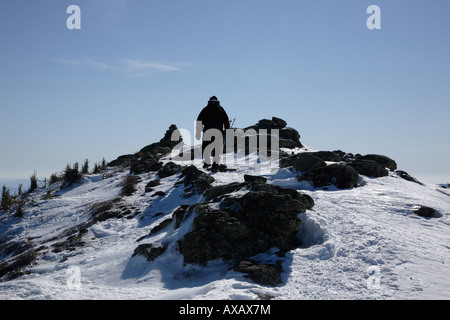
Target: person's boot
[215, 167]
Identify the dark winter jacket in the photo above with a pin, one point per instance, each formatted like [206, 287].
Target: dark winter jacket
[213, 116]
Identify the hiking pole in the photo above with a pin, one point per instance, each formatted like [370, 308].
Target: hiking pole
[232, 122]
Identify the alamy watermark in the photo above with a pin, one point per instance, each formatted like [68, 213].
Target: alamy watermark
[73, 281]
[374, 279]
[374, 21]
[74, 20]
[233, 146]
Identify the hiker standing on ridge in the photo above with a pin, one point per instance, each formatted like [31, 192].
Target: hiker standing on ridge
[213, 116]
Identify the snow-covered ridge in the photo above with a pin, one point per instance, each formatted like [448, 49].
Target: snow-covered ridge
[364, 242]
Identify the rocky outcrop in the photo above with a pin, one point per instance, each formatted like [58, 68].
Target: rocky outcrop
[404, 175]
[264, 217]
[165, 145]
[148, 158]
[425, 211]
[267, 274]
[384, 161]
[369, 168]
[341, 175]
[289, 137]
[198, 180]
[338, 168]
[149, 251]
[302, 162]
[234, 227]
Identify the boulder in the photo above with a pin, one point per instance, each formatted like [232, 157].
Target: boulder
[406, 176]
[369, 168]
[240, 227]
[169, 169]
[289, 137]
[153, 183]
[146, 162]
[288, 133]
[149, 251]
[341, 175]
[302, 162]
[287, 143]
[330, 156]
[425, 211]
[382, 160]
[266, 274]
[197, 178]
[250, 178]
[165, 145]
[279, 122]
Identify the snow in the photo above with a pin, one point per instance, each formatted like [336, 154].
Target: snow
[360, 243]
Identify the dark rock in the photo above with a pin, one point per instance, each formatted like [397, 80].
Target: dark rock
[279, 122]
[302, 162]
[288, 143]
[250, 178]
[291, 134]
[369, 168]
[289, 137]
[179, 215]
[148, 158]
[425, 211]
[169, 169]
[161, 226]
[263, 218]
[165, 145]
[215, 234]
[382, 160]
[327, 156]
[221, 190]
[145, 163]
[151, 184]
[198, 179]
[122, 161]
[267, 124]
[406, 176]
[342, 176]
[149, 251]
[265, 274]
[159, 194]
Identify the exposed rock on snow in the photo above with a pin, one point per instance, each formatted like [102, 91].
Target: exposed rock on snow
[264, 217]
[382, 160]
[289, 137]
[197, 179]
[341, 175]
[153, 227]
[268, 274]
[425, 211]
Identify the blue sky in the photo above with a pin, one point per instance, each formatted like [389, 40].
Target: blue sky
[137, 66]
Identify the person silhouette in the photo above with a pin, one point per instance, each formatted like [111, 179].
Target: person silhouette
[212, 117]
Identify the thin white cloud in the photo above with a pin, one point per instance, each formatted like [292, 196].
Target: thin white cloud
[99, 65]
[139, 68]
[128, 66]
